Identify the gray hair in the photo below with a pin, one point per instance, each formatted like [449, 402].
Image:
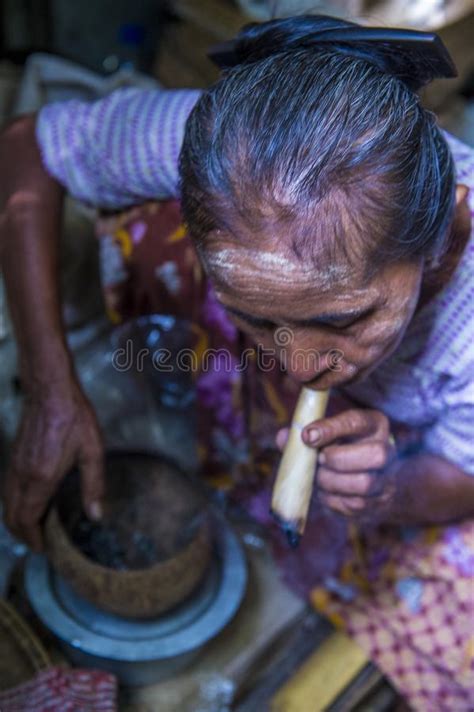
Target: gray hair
[324, 140]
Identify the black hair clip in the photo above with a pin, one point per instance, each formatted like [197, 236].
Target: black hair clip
[224, 55]
[425, 46]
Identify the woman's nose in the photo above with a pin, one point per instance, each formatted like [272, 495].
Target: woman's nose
[303, 364]
[303, 359]
[330, 366]
[304, 371]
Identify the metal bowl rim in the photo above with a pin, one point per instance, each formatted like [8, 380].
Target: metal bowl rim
[225, 605]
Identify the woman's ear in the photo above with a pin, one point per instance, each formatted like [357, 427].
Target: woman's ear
[462, 192]
[439, 272]
[461, 226]
[462, 213]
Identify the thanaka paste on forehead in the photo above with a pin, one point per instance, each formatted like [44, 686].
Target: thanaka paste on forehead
[233, 265]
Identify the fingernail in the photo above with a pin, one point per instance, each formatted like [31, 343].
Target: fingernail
[313, 436]
[95, 511]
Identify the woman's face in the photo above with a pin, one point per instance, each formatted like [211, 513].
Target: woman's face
[328, 327]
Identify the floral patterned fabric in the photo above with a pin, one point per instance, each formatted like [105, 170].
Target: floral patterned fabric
[406, 595]
[149, 265]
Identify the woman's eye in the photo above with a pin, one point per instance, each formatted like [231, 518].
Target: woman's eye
[264, 326]
[342, 324]
[256, 324]
[336, 325]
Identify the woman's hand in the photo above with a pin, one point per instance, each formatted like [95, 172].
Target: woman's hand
[58, 430]
[356, 450]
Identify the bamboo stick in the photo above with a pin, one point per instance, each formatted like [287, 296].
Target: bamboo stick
[294, 482]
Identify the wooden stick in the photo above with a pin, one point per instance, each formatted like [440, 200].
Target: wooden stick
[294, 482]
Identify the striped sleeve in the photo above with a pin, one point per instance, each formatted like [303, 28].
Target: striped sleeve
[120, 150]
[452, 344]
[452, 436]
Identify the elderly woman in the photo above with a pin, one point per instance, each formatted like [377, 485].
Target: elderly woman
[322, 216]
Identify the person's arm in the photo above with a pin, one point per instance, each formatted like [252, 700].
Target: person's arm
[430, 490]
[112, 153]
[58, 428]
[368, 479]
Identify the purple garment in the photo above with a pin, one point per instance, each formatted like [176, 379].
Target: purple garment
[119, 151]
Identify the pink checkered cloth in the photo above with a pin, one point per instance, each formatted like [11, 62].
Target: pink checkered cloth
[407, 597]
[60, 689]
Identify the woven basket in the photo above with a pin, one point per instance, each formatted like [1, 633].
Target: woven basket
[165, 504]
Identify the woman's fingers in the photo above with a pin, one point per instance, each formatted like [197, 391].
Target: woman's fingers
[27, 500]
[349, 506]
[355, 452]
[34, 503]
[360, 484]
[58, 430]
[353, 423]
[355, 494]
[358, 457]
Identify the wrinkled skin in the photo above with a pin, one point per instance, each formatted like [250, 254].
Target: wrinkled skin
[268, 290]
[58, 430]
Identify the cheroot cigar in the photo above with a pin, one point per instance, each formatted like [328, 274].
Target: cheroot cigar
[294, 482]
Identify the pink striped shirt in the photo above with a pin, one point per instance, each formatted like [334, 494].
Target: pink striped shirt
[123, 150]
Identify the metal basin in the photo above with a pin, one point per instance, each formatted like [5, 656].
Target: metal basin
[153, 511]
[141, 652]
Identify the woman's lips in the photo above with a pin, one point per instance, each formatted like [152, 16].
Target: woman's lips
[330, 379]
[343, 373]
[334, 379]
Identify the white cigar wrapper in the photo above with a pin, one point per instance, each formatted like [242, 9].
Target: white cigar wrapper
[294, 482]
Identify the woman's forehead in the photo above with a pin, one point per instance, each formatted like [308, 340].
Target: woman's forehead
[252, 269]
[274, 284]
